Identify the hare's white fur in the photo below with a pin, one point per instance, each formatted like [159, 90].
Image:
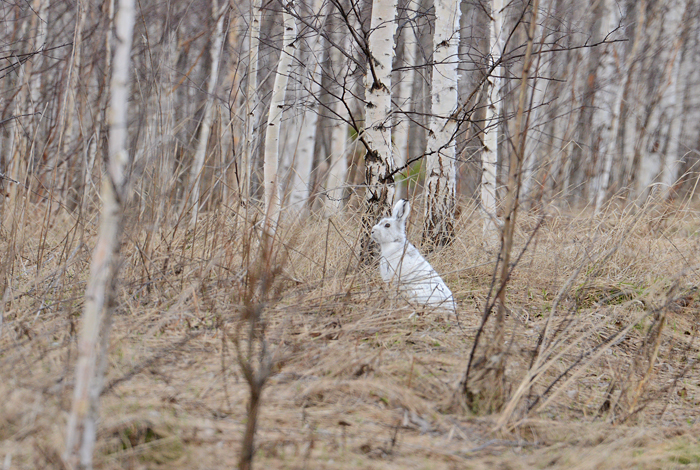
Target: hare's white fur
[402, 265]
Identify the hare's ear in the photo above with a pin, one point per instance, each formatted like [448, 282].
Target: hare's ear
[401, 210]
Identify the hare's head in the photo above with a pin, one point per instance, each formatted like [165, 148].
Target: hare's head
[393, 229]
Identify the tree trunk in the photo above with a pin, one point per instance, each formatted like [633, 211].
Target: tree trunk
[610, 147]
[72, 146]
[676, 88]
[379, 161]
[205, 127]
[252, 102]
[440, 173]
[311, 86]
[486, 391]
[93, 340]
[338, 169]
[405, 77]
[489, 157]
[271, 163]
[657, 131]
[605, 115]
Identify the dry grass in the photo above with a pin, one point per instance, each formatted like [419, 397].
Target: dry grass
[360, 384]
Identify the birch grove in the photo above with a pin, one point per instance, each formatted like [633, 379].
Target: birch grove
[615, 133]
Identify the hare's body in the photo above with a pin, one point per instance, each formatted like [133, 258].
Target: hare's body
[401, 264]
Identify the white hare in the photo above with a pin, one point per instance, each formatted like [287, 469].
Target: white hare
[401, 264]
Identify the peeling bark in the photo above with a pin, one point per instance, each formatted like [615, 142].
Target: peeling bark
[379, 161]
[440, 170]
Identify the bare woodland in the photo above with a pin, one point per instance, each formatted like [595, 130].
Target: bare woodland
[187, 275]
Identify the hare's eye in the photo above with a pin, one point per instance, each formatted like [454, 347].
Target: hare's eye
[387, 225]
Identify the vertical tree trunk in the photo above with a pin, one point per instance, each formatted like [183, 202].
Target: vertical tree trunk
[200, 154]
[405, 77]
[17, 143]
[94, 330]
[338, 169]
[440, 173]
[489, 157]
[655, 135]
[676, 88]
[379, 161]
[604, 114]
[72, 146]
[271, 164]
[609, 147]
[311, 85]
[252, 103]
[487, 390]
[42, 8]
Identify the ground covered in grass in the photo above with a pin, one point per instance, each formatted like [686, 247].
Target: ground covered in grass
[361, 378]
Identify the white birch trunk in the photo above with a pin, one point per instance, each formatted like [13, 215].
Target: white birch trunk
[304, 158]
[94, 330]
[610, 147]
[338, 170]
[18, 143]
[338, 166]
[606, 111]
[67, 136]
[271, 163]
[252, 102]
[404, 100]
[536, 134]
[690, 125]
[440, 172]
[676, 88]
[659, 128]
[493, 113]
[42, 8]
[205, 127]
[379, 161]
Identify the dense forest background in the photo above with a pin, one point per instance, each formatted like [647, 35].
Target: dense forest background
[610, 95]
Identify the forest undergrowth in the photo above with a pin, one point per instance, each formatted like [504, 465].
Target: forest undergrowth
[360, 378]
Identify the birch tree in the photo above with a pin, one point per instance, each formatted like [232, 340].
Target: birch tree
[379, 161]
[252, 99]
[655, 136]
[627, 71]
[605, 113]
[489, 157]
[311, 81]
[338, 166]
[405, 76]
[676, 87]
[271, 163]
[440, 173]
[217, 42]
[93, 338]
[73, 166]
